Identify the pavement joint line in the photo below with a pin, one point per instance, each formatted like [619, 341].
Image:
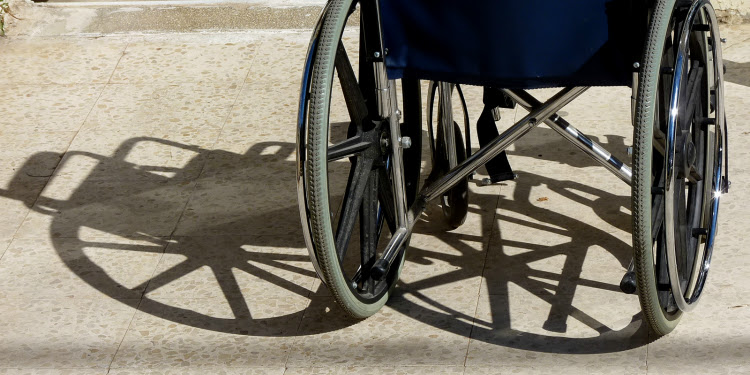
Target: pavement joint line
[211, 149]
[297, 337]
[67, 148]
[5, 250]
[482, 278]
[135, 312]
[164, 249]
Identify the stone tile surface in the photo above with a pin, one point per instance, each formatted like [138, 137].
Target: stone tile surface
[60, 60]
[130, 209]
[169, 107]
[131, 154]
[78, 268]
[44, 371]
[717, 324]
[27, 160]
[232, 266]
[405, 370]
[281, 58]
[199, 371]
[410, 330]
[19, 196]
[177, 62]
[150, 226]
[62, 333]
[32, 154]
[255, 207]
[211, 332]
[593, 328]
[49, 107]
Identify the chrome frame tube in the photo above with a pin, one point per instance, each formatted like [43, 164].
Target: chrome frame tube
[498, 145]
[397, 173]
[382, 90]
[576, 137]
[688, 303]
[468, 166]
[397, 156]
[388, 107]
[397, 242]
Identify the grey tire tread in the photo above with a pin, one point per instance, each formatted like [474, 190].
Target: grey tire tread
[317, 165]
[641, 190]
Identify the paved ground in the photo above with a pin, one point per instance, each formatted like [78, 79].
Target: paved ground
[150, 225]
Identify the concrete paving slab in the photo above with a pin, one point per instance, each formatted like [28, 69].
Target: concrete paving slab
[45, 108]
[167, 240]
[55, 61]
[232, 266]
[62, 333]
[148, 62]
[130, 209]
[518, 330]
[210, 332]
[208, 370]
[409, 331]
[422, 370]
[45, 371]
[53, 268]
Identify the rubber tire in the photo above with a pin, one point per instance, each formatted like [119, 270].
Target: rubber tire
[658, 320]
[316, 178]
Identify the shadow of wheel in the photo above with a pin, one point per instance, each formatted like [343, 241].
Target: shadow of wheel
[125, 218]
[630, 331]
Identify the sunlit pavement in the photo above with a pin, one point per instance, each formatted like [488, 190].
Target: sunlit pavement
[150, 225]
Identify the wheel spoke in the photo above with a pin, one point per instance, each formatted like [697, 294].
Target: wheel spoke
[659, 142]
[352, 201]
[355, 101]
[682, 230]
[368, 228]
[387, 203]
[346, 148]
[657, 216]
[691, 96]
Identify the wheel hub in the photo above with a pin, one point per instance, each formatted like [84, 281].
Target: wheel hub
[685, 157]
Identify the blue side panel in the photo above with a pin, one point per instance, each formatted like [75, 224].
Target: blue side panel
[514, 44]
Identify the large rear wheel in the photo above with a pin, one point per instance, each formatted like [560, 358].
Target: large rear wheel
[677, 162]
[346, 190]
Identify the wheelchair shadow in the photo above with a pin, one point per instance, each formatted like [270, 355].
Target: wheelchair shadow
[506, 272]
[257, 234]
[738, 73]
[241, 224]
[545, 144]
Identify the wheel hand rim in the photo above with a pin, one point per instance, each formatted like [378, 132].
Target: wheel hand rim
[671, 183]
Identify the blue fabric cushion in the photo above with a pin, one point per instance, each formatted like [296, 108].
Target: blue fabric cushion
[514, 44]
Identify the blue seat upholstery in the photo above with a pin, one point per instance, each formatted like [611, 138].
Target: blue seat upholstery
[514, 44]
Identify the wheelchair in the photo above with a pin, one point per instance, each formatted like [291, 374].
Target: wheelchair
[361, 175]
